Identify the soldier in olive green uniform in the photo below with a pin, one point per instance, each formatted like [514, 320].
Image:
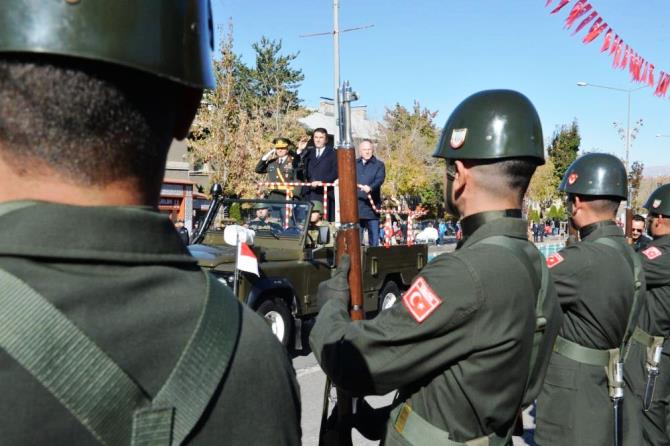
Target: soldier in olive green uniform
[280, 166]
[648, 361]
[458, 347]
[109, 331]
[595, 280]
[316, 222]
[263, 220]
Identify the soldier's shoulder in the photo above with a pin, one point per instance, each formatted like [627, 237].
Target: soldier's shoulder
[656, 252]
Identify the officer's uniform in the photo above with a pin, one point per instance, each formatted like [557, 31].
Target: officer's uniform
[137, 294]
[458, 347]
[595, 283]
[652, 332]
[280, 171]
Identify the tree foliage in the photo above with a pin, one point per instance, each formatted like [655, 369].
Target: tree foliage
[248, 108]
[543, 186]
[635, 175]
[563, 148]
[407, 141]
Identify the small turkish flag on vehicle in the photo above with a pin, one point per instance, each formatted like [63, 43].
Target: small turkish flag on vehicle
[246, 260]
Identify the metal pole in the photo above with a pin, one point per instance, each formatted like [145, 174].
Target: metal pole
[629, 208]
[336, 65]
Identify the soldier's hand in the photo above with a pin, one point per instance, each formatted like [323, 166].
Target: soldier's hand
[337, 287]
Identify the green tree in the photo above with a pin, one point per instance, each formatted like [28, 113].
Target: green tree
[248, 108]
[407, 141]
[563, 148]
[635, 175]
[543, 186]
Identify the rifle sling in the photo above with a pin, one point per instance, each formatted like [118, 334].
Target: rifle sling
[95, 390]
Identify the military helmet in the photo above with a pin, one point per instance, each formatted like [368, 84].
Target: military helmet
[281, 143]
[317, 206]
[659, 201]
[261, 206]
[169, 38]
[492, 124]
[598, 174]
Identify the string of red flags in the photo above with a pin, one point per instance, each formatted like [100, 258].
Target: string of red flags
[623, 55]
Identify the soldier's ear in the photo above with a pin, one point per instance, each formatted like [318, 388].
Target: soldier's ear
[188, 102]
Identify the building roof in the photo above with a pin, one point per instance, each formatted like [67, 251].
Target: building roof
[361, 126]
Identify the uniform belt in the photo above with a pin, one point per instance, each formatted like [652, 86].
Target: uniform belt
[643, 337]
[418, 431]
[584, 355]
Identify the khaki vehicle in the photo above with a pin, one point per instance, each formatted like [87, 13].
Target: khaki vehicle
[292, 265]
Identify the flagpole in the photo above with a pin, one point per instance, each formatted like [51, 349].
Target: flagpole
[237, 261]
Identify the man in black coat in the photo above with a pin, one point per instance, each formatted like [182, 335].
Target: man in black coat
[370, 174]
[319, 163]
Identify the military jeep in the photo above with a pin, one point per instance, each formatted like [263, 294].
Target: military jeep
[292, 265]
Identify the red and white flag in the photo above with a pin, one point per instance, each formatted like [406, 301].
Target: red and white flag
[246, 260]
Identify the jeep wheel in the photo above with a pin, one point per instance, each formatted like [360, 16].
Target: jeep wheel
[389, 296]
[278, 317]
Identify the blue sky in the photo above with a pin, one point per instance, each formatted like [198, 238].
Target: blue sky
[439, 52]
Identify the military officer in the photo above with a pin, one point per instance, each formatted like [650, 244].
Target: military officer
[595, 280]
[280, 166]
[648, 361]
[105, 330]
[459, 348]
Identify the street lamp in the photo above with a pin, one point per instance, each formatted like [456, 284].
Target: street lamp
[628, 91]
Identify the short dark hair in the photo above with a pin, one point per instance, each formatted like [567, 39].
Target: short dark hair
[91, 122]
[515, 174]
[605, 204]
[320, 130]
[638, 217]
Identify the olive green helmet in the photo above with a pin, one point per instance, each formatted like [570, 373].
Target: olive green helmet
[492, 124]
[169, 38]
[598, 174]
[659, 201]
[317, 206]
[261, 206]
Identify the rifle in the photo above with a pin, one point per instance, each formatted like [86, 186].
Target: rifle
[348, 242]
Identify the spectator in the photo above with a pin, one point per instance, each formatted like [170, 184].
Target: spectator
[640, 239]
[182, 231]
[370, 174]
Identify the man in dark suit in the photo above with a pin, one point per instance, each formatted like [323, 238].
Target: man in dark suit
[319, 163]
[370, 174]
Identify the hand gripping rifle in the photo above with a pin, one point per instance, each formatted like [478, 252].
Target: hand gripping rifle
[348, 242]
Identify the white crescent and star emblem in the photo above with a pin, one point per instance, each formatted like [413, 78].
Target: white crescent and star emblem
[420, 300]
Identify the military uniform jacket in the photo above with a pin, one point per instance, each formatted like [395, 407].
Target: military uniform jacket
[654, 319]
[595, 289]
[277, 172]
[123, 277]
[458, 345]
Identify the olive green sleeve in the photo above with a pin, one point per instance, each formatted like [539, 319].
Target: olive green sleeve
[395, 348]
[568, 275]
[656, 266]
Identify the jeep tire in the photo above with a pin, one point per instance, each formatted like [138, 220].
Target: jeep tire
[276, 313]
[389, 295]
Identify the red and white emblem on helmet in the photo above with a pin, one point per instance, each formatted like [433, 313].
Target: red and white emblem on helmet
[572, 178]
[458, 137]
[554, 259]
[652, 252]
[420, 300]
[656, 204]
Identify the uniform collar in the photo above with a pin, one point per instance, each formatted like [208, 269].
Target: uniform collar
[605, 228]
[478, 226]
[96, 233]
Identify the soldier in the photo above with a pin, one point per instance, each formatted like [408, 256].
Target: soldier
[648, 361]
[263, 220]
[460, 348]
[280, 166]
[105, 332]
[595, 280]
[316, 222]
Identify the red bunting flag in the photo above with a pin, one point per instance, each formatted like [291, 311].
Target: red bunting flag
[615, 44]
[608, 39]
[560, 6]
[650, 81]
[585, 22]
[617, 54]
[624, 61]
[645, 71]
[548, 3]
[580, 8]
[595, 30]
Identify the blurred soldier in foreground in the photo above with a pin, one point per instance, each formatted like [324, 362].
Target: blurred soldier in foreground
[596, 284]
[640, 238]
[106, 332]
[280, 166]
[648, 361]
[460, 347]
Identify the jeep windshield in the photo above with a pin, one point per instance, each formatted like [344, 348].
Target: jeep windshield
[270, 220]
